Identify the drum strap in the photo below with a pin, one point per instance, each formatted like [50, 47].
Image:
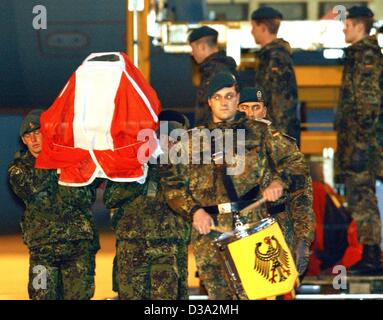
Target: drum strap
[275, 209]
[236, 203]
[220, 172]
[230, 189]
[235, 206]
[220, 169]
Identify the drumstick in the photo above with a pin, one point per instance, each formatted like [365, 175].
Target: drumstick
[254, 205]
[217, 228]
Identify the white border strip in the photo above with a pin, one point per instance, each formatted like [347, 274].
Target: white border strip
[142, 95]
[344, 296]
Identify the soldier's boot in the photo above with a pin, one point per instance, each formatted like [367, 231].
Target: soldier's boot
[370, 264]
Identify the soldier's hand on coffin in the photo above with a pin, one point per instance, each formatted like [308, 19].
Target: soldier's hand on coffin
[274, 191]
[301, 255]
[202, 221]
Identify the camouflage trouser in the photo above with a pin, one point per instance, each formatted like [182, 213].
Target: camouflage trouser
[182, 261]
[147, 270]
[362, 202]
[62, 271]
[210, 266]
[115, 275]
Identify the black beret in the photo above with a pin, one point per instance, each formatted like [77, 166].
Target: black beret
[31, 122]
[251, 94]
[359, 11]
[266, 13]
[219, 81]
[201, 32]
[173, 120]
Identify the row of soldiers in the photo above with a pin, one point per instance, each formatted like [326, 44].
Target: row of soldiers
[59, 230]
[359, 116]
[274, 71]
[178, 202]
[155, 221]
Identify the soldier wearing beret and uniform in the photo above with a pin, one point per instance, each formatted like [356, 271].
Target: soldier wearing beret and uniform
[57, 224]
[252, 103]
[359, 156]
[152, 239]
[205, 51]
[274, 71]
[195, 190]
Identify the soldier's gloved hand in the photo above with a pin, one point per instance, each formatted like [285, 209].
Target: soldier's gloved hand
[202, 221]
[273, 192]
[301, 254]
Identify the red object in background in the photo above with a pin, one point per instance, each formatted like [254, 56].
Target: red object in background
[91, 128]
[353, 251]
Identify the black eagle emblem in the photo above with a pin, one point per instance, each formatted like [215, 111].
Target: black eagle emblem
[274, 262]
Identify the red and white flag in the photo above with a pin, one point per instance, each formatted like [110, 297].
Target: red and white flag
[91, 128]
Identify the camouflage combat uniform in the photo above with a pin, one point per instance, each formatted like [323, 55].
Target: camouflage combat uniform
[359, 156]
[58, 229]
[213, 64]
[275, 75]
[295, 203]
[151, 241]
[193, 186]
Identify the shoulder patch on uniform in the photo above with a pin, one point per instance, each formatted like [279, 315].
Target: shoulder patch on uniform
[14, 170]
[275, 133]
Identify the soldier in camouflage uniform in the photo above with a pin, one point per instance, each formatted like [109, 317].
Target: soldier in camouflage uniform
[194, 189]
[206, 54]
[358, 160]
[252, 103]
[57, 225]
[152, 239]
[274, 72]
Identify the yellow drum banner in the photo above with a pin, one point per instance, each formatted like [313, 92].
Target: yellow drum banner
[264, 263]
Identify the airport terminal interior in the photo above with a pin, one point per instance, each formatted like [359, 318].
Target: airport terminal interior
[44, 42]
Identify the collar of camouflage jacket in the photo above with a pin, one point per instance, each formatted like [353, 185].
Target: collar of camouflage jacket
[277, 44]
[370, 42]
[25, 155]
[219, 57]
[239, 117]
